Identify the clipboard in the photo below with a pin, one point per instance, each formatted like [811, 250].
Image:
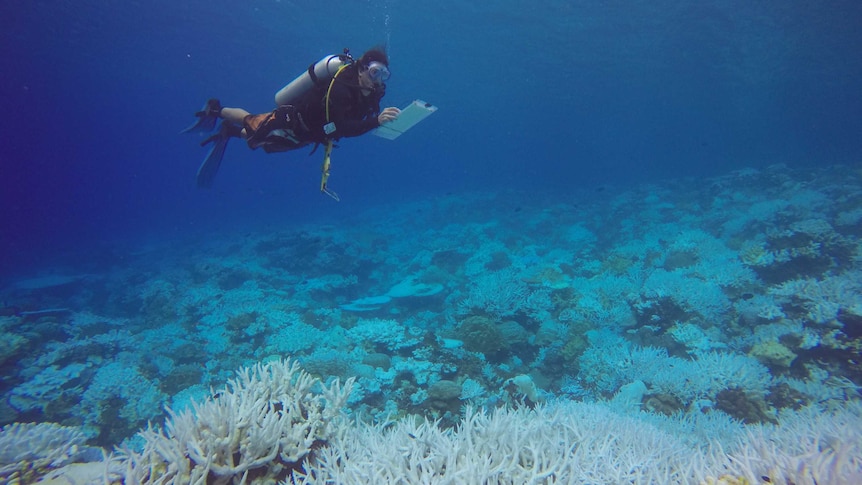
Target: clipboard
[415, 112]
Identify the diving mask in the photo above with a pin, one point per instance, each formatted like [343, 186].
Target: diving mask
[378, 72]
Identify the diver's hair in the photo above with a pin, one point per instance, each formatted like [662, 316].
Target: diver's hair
[376, 53]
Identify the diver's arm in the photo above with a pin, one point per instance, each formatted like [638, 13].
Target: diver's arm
[341, 101]
[348, 128]
[345, 127]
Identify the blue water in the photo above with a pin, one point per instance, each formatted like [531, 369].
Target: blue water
[555, 96]
[618, 148]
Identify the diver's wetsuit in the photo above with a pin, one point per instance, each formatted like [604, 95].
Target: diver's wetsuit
[294, 126]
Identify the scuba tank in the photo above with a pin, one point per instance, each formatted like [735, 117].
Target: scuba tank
[317, 74]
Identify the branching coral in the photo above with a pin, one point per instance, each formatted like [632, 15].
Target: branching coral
[824, 298]
[565, 442]
[261, 426]
[27, 450]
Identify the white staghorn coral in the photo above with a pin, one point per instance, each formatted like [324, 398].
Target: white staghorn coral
[29, 449]
[824, 298]
[569, 442]
[275, 422]
[561, 442]
[261, 425]
[812, 446]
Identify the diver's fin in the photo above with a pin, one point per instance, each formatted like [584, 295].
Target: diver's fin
[207, 118]
[209, 168]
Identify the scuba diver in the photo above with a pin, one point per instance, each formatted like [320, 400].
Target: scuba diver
[336, 97]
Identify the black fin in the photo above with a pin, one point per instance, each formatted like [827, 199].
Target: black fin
[209, 168]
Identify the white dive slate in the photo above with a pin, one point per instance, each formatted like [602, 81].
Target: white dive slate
[417, 111]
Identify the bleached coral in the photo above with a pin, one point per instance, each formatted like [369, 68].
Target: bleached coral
[28, 448]
[424, 372]
[275, 422]
[759, 307]
[75, 349]
[483, 255]
[388, 333]
[141, 397]
[691, 293]
[566, 442]
[772, 332]
[264, 422]
[610, 362]
[471, 389]
[695, 338]
[810, 447]
[755, 253]
[501, 293]
[813, 227]
[715, 261]
[826, 388]
[825, 297]
[411, 286]
[46, 387]
[602, 301]
[757, 211]
[557, 443]
[294, 336]
[703, 377]
[715, 371]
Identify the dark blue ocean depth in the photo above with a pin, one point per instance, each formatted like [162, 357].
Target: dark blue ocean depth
[544, 96]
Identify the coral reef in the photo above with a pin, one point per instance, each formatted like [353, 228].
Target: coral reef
[30, 450]
[260, 428]
[736, 298]
[565, 442]
[276, 422]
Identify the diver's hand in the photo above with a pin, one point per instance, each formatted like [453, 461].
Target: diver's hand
[388, 114]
